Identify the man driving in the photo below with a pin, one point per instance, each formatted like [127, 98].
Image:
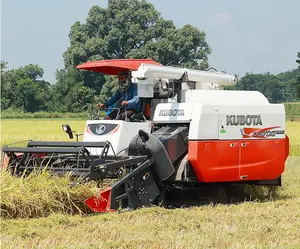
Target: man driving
[128, 93]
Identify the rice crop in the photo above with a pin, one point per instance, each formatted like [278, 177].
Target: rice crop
[43, 211]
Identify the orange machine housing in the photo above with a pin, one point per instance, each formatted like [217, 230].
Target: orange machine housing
[238, 160]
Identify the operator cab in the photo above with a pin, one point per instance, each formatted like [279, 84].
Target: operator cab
[142, 116]
[156, 84]
[116, 132]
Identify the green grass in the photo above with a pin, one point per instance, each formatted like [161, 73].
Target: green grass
[271, 222]
[292, 109]
[14, 130]
[28, 115]
[293, 131]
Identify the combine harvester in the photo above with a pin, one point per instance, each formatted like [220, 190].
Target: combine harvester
[190, 135]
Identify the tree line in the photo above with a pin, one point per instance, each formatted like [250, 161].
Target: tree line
[125, 29]
[283, 87]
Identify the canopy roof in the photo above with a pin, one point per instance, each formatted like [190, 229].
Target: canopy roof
[113, 67]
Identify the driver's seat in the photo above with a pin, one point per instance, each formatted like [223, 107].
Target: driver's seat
[138, 117]
[142, 115]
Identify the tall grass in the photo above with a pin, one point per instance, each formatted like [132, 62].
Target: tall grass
[41, 194]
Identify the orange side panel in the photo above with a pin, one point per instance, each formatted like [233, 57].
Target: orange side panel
[237, 160]
[215, 161]
[287, 147]
[262, 159]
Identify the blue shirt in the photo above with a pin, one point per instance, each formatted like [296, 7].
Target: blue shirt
[130, 96]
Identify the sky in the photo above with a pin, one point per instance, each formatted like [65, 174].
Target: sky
[245, 36]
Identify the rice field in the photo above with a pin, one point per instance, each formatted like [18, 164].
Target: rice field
[269, 222]
[293, 131]
[15, 130]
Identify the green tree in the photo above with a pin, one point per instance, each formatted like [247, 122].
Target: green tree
[66, 80]
[24, 88]
[108, 89]
[133, 29]
[267, 84]
[3, 66]
[5, 87]
[289, 85]
[81, 97]
[28, 91]
[277, 88]
[69, 92]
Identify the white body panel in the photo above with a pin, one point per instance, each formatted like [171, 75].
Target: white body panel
[224, 97]
[228, 122]
[263, 116]
[225, 115]
[181, 113]
[204, 122]
[119, 133]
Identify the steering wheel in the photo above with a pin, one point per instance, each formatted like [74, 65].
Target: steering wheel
[95, 114]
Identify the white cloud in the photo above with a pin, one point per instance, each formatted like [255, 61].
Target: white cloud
[221, 18]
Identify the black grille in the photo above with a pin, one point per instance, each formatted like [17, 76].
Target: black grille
[101, 129]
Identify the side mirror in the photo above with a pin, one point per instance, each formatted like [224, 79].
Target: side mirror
[144, 136]
[68, 130]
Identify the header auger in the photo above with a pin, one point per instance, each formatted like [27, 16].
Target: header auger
[190, 134]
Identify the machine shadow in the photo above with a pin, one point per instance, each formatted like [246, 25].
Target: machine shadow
[223, 195]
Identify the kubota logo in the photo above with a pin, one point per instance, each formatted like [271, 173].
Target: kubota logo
[171, 112]
[261, 133]
[100, 129]
[243, 120]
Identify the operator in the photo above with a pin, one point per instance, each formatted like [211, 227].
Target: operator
[128, 93]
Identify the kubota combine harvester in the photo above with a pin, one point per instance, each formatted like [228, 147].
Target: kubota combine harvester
[189, 134]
